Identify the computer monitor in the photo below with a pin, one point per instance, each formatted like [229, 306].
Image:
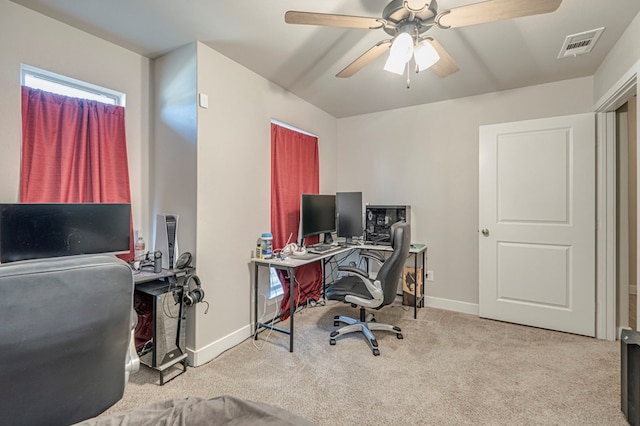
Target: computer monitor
[35, 231]
[317, 216]
[349, 215]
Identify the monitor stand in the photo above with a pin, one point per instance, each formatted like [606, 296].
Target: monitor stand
[328, 239]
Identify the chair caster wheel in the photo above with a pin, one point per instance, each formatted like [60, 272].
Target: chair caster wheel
[336, 323]
[399, 336]
[332, 342]
[376, 352]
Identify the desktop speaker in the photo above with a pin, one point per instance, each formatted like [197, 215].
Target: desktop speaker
[167, 239]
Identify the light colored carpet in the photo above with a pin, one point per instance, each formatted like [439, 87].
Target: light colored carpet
[450, 369]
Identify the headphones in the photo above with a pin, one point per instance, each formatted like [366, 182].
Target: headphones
[293, 249]
[193, 296]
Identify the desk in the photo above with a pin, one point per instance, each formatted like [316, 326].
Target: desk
[145, 275]
[291, 263]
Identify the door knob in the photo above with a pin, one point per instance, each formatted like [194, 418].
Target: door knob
[485, 232]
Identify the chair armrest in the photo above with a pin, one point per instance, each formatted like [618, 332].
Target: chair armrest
[375, 256]
[353, 270]
[374, 288]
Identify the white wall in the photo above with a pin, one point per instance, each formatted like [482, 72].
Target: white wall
[174, 142]
[174, 151]
[34, 39]
[233, 188]
[622, 57]
[427, 156]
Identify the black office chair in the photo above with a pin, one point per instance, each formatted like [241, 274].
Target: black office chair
[360, 290]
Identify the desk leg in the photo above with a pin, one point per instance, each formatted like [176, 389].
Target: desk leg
[255, 302]
[324, 284]
[292, 308]
[415, 295]
[424, 277]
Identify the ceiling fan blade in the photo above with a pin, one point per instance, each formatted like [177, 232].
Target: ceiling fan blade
[446, 65]
[365, 59]
[493, 10]
[330, 20]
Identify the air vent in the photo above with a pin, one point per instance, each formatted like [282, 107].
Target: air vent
[579, 44]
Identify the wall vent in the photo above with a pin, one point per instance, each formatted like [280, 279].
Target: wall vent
[579, 44]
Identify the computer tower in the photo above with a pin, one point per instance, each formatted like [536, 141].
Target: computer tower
[161, 301]
[167, 239]
[378, 221]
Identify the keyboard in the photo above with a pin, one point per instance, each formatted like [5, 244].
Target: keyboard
[321, 248]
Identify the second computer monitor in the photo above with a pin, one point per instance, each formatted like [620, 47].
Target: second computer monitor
[317, 216]
[349, 215]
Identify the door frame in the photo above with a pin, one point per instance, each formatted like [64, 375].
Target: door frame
[605, 109]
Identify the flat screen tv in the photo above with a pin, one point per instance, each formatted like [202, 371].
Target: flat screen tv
[36, 231]
[317, 215]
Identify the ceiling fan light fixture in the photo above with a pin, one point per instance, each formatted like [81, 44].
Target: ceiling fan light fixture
[395, 65]
[400, 54]
[425, 55]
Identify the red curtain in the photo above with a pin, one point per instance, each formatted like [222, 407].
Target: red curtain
[294, 171]
[73, 151]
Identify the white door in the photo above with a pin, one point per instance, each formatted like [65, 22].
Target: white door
[537, 223]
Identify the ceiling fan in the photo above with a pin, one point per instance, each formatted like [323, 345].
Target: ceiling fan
[407, 21]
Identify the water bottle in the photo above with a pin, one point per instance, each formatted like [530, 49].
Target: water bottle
[139, 249]
[267, 245]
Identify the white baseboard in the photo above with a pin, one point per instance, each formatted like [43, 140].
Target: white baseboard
[451, 305]
[214, 349]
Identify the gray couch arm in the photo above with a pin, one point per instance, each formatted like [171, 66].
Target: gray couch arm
[65, 338]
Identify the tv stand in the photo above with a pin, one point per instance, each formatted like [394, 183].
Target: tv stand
[350, 242]
[328, 239]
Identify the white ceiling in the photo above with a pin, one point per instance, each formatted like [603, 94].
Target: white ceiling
[304, 59]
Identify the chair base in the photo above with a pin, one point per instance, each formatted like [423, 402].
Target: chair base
[365, 326]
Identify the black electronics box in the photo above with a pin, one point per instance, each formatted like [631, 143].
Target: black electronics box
[378, 221]
[630, 377]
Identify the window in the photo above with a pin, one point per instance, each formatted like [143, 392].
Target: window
[67, 86]
[69, 139]
[275, 286]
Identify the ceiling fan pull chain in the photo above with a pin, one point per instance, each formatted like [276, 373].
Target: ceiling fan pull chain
[415, 46]
[408, 76]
